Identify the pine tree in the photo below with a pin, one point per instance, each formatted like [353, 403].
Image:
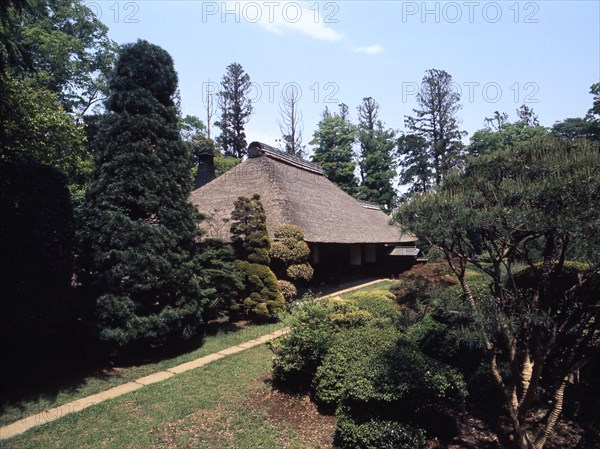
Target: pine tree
[140, 233]
[334, 138]
[376, 161]
[437, 123]
[236, 109]
[251, 243]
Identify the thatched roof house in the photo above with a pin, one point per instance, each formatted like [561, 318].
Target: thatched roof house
[337, 227]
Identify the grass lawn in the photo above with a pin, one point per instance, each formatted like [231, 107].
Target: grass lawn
[207, 407]
[210, 407]
[11, 411]
[383, 286]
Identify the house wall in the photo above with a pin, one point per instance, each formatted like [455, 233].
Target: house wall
[334, 263]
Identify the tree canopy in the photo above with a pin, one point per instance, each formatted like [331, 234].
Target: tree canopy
[334, 138]
[530, 204]
[376, 157]
[436, 122]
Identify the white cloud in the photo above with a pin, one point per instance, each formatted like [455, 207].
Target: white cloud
[281, 17]
[369, 50]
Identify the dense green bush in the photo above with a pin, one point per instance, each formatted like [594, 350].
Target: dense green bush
[375, 363]
[225, 283]
[353, 355]
[300, 271]
[380, 305]
[313, 324]
[262, 297]
[37, 230]
[375, 433]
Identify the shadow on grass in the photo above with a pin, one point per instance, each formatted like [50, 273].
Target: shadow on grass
[38, 383]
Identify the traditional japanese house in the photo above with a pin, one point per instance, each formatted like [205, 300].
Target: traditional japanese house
[348, 238]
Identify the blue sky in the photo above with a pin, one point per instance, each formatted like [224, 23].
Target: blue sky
[500, 54]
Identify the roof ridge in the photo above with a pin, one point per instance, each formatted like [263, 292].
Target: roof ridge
[257, 149]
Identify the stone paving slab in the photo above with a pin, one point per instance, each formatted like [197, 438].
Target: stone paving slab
[153, 378]
[195, 363]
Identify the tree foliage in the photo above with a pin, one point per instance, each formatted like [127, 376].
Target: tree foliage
[289, 254]
[69, 48]
[36, 262]
[262, 296]
[531, 204]
[140, 235]
[501, 134]
[587, 127]
[334, 138]
[34, 126]
[436, 122]
[236, 109]
[376, 160]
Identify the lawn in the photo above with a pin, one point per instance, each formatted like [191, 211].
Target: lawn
[104, 379]
[383, 285]
[214, 406]
[210, 407]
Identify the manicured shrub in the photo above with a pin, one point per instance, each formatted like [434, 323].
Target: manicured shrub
[376, 364]
[300, 272]
[299, 353]
[313, 324]
[263, 298]
[289, 253]
[375, 433]
[380, 305]
[348, 370]
[288, 289]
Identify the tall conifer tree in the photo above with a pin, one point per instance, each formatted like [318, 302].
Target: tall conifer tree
[140, 230]
[376, 159]
[334, 138]
[236, 109]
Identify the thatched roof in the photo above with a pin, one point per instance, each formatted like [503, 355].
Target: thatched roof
[294, 191]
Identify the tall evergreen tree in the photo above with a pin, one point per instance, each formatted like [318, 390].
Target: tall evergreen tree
[37, 232]
[334, 138]
[436, 122]
[236, 109]
[140, 231]
[415, 169]
[376, 160]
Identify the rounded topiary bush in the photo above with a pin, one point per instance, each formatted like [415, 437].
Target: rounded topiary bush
[264, 299]
[300, 271]
[288, 289]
